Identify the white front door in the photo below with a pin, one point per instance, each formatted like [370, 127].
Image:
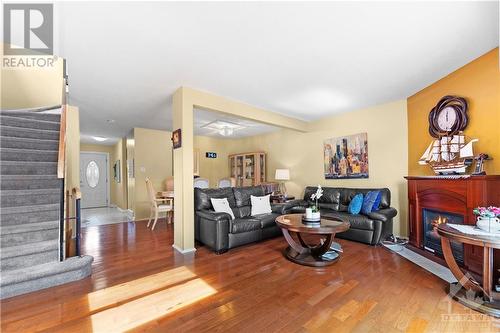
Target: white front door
[94, 179]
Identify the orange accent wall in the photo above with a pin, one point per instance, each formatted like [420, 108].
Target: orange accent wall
[479, 83]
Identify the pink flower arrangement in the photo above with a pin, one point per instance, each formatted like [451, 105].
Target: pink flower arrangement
[487, 211]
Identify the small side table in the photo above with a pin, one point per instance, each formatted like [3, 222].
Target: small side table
[281, 198]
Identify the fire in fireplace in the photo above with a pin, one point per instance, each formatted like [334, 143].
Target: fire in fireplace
[432, 241]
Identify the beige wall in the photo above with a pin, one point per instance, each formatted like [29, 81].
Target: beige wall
[130, 153]
[152, 151]
[302, 153]
[153, 159]
[23, 88]
[214, 169]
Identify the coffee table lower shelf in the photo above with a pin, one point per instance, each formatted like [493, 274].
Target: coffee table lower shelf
[308, 259]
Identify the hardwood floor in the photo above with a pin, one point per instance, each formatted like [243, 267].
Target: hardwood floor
[140, 284]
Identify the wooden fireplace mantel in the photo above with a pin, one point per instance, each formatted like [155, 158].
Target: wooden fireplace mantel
[453, 194]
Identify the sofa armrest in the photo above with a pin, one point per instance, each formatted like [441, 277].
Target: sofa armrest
[284, 208]
[383, 215]
[213, 216]
[214, 229]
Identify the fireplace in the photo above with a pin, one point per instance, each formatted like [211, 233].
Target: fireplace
[432, 241]
[452, 198]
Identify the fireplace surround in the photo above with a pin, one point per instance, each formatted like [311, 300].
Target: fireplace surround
[452, 197]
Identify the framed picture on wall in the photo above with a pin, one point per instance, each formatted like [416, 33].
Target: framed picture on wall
[346, 157]
[117, 171]
[177, 138]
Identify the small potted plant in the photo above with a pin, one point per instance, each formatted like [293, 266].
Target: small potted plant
[487, 219]
[315, 215]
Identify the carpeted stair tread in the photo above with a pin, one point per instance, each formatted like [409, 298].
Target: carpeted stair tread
[47, 116]
[28, 155]
[27, 249]
[27, 227]
[18, 198]
[28, 143]
[31, 168]
[29, 209]
[20, 132]
[28, 233]
[25, 274]
[30, 195]
[29, 182]
[29, 123]
[30, 217]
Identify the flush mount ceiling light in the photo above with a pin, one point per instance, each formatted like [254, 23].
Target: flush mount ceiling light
[224, 128]
[99, 138]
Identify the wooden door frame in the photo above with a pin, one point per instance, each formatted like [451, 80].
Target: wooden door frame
[108, 185]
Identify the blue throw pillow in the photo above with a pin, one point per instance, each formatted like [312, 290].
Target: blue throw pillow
[376, 205]
[369, 202]
[355, 204]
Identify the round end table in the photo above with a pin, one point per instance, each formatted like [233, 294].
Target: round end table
[316, 255]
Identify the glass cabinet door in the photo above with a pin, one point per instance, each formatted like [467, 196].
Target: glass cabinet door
[239, 171]
[249, 170]
[262, 169]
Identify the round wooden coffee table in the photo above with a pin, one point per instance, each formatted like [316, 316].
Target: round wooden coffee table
[319, 254]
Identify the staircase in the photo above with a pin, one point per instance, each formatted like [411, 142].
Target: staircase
[30, 194]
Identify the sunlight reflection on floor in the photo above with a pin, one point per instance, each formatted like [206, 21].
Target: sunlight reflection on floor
[129, 305]
[143, 310]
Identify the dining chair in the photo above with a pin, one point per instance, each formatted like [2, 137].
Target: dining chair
[201, 183]
[227, 182]
[158, 205]
[169, 184]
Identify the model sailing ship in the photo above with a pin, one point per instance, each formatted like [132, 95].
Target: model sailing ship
[450, 152]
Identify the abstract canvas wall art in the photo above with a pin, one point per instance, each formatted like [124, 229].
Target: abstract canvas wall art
[346, 157]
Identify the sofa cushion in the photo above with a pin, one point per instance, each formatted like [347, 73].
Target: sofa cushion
[242, 211]
[242, 194]
[266, 220]
[244, 224]
[202, 197]
[261, 205]
[330, 198]
[357, 221]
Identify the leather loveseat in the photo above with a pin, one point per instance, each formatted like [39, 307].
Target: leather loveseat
[219, 232]
[370, 229]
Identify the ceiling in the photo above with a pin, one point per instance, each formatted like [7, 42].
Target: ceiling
[305, 60]
[250, 128]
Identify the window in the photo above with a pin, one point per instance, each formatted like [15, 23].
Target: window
[92, 174]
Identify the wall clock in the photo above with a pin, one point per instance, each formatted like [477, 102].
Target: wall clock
[448, 117]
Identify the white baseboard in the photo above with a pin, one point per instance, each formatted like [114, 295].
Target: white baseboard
[178, 249]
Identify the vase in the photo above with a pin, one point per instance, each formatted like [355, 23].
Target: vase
[488, 224]
[315, 216]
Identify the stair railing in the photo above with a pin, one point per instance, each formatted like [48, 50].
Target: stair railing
[75, 197]
[60, 174]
